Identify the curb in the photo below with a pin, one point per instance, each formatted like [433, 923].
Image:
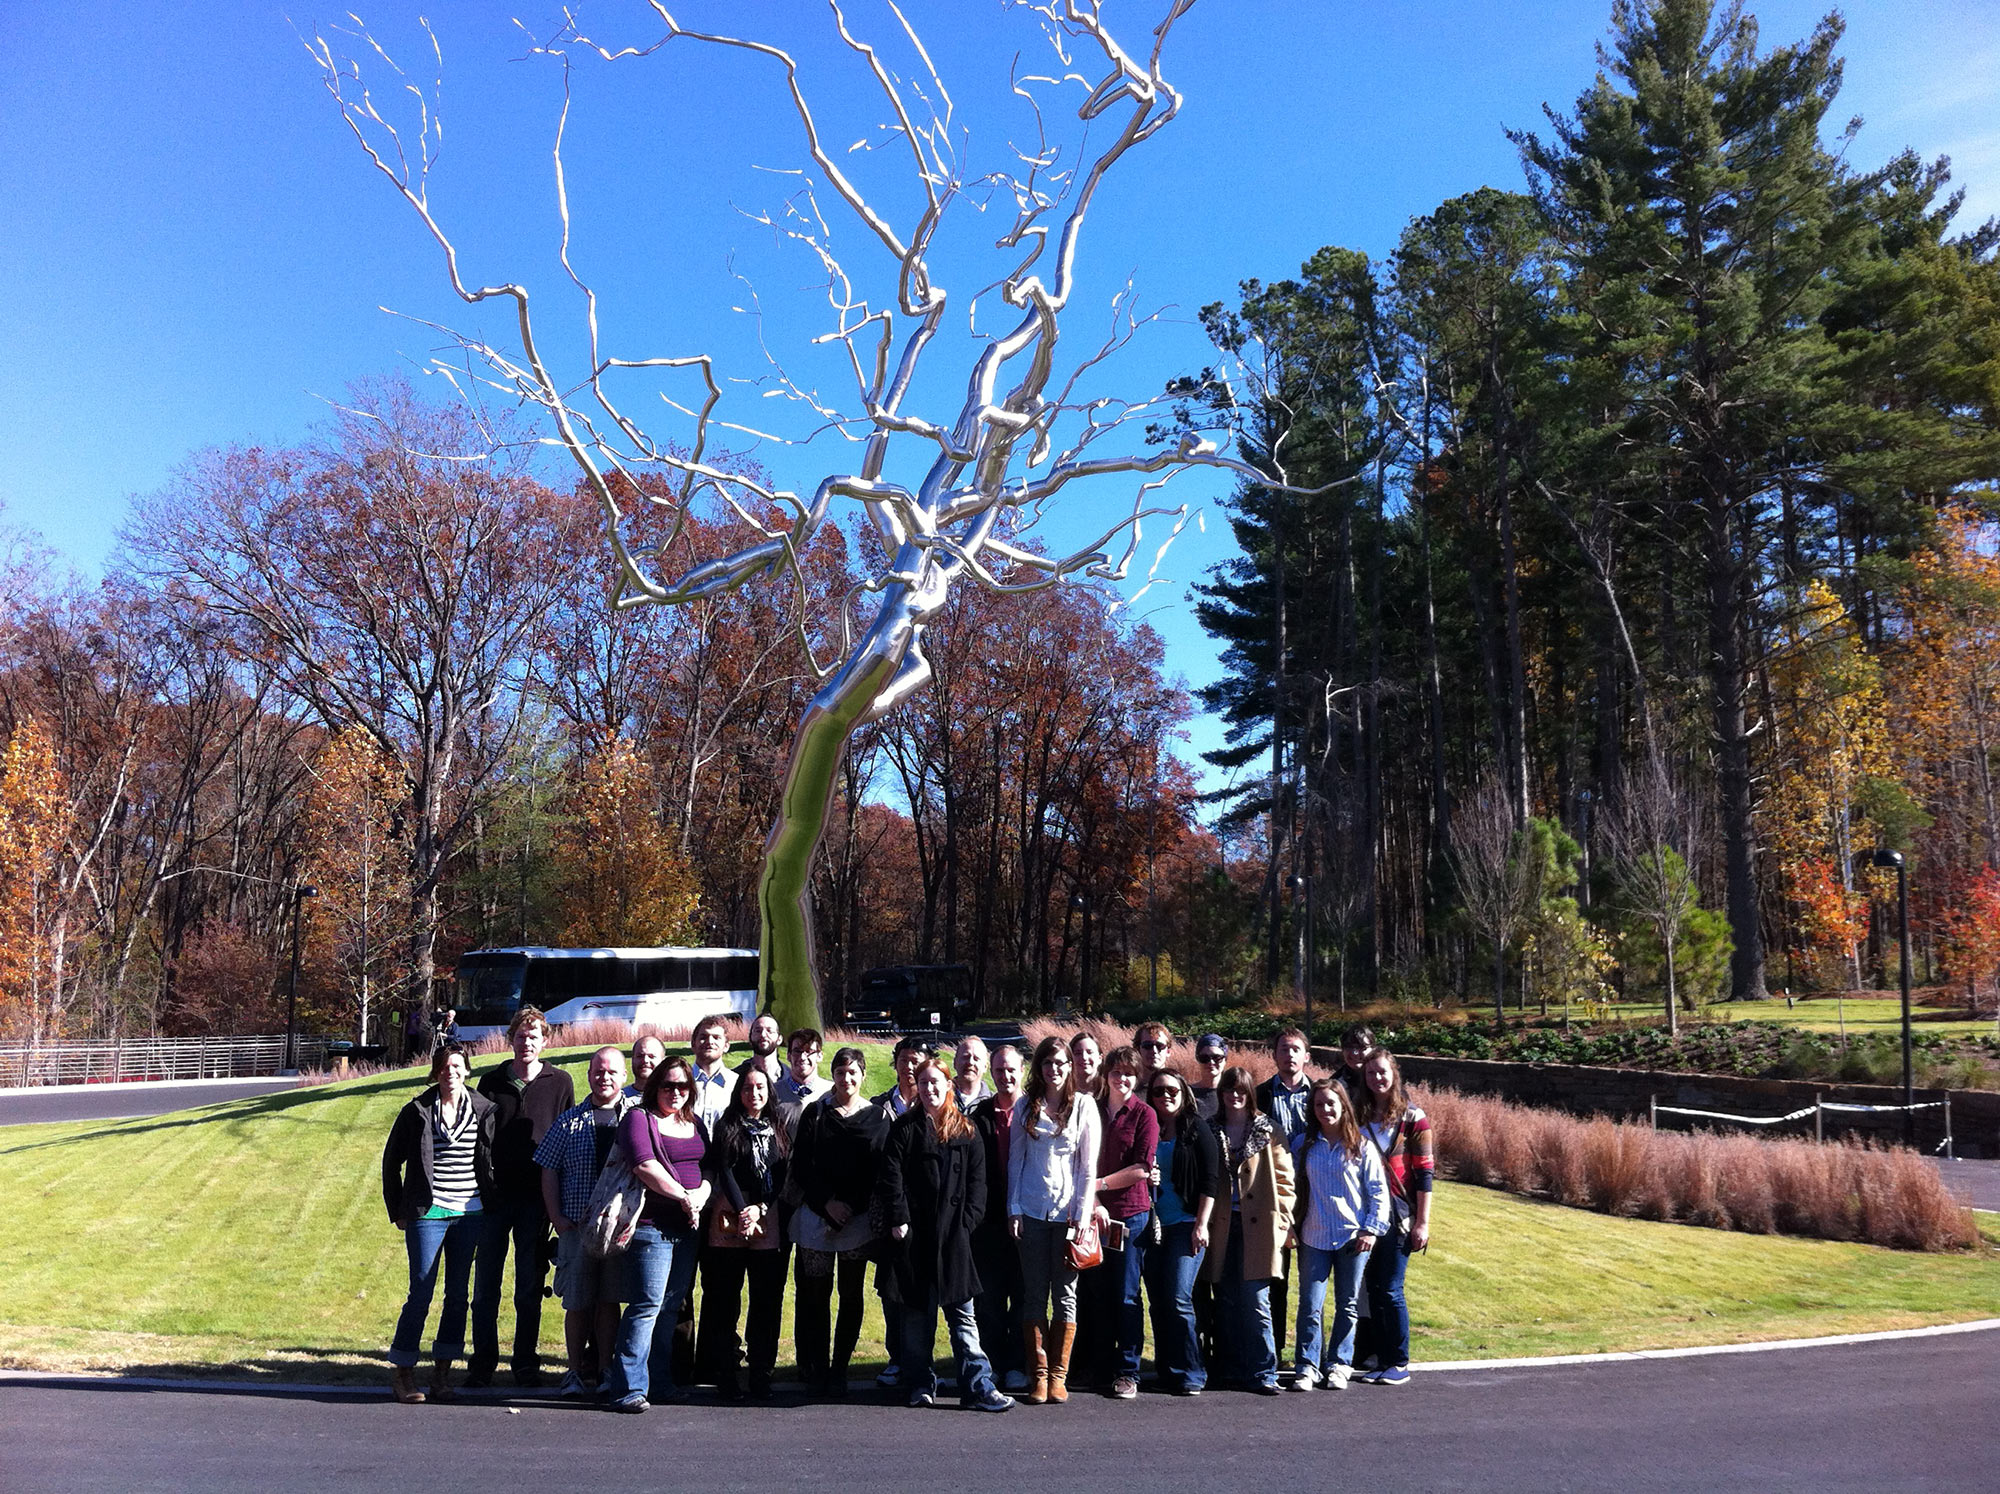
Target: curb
[1977, 1325]
[57, 1380]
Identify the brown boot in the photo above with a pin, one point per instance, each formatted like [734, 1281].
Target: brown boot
[1064, 1339]
[403, 1385]
[441, 1381]
[1037, 1366]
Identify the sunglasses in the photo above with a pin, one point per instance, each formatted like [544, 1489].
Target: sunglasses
[1156, 1047]
[680, 1085]
[1164, 1092]
[1215, 1058]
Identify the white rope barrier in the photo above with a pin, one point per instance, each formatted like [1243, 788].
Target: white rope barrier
[1816, 1110]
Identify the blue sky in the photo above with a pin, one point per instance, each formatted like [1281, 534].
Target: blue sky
[198, 250]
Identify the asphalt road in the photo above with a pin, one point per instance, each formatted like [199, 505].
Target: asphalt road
[1977, 1182]
[1903, 1414]
[69, 1102]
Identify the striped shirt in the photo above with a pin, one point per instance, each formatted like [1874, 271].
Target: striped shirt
[454, 1182]
[1342, 1194]
[1408, 1155]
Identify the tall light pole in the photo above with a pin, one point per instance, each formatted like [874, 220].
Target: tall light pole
[1886, 859]
[1081, 900]
[299, 896]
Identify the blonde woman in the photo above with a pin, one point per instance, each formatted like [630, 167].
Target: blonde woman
[1401, 1136]
[1051, 1192]
[1343, 1210]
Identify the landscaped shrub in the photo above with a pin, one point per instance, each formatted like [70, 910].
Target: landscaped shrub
[1832, 1191]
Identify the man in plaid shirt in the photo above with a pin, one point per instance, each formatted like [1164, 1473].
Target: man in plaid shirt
[572, 1153]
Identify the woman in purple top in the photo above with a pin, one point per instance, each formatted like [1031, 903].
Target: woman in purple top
[668, 1149]
[1124, 1213]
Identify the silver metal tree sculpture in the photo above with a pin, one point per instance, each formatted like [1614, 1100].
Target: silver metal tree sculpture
[1021, 437]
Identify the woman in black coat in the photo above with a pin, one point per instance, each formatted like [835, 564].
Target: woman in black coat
[932, 1190]
[745, 1241]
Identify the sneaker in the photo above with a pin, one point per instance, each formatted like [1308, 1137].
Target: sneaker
[1125, 1388]
[921, 1400]
[1015, 1380]
[1395, 1374]
[1266, 1387]
[632, 1405]
[993, 1400]
[1189, 1391]
[1367, 1362]
[1337, 1377]
[1305, 1379]
[572, 1387]
[890, 1378]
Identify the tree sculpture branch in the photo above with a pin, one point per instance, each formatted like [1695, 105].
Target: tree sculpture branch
[989, 469]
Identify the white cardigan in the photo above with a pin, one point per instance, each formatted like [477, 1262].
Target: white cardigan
[1052, 1170]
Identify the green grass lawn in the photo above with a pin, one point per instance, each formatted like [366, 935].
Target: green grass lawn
[1871, 1013]
[249, 1238]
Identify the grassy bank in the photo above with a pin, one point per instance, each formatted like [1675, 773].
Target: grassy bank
[249, 1238]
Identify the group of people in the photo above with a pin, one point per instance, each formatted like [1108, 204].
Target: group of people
[1038, 1204]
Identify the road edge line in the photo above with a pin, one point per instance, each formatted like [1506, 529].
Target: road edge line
[1695, 1351]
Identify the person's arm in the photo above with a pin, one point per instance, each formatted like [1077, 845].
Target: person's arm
[1017, 1162]
[1375, 1198]
[395, 1156]
[1084, 1168]
[889, 1189]
[552, 1201]
[975, 1183]
[1283, 1179]
[1207, 1180]
[1419, 1176]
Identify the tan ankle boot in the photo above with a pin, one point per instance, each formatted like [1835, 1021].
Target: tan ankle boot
[441, 1381]
[1037, 1366]
[403, 1385]
[1064, 1339]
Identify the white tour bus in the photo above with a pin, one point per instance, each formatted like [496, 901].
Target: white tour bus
[667, 988]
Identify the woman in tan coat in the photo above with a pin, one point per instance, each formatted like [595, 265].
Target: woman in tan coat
[1246, 1253]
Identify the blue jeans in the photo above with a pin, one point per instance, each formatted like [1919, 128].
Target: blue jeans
[425, 1240]
[659, 1268]
[1124, 1312]
[1315, 1266]
[526, 1227]
[1388, 1312]
[1243, 1318]
[918, 1325]
[1170, 1271]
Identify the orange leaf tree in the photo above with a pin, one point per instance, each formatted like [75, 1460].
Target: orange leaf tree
[34, 836]
[620, 879]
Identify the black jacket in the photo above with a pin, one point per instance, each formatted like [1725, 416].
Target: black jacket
[939, 1191]
[1197, 1164]
[735, 1166]
[993, 1226]
[836, 1156]
[407, 1158]
[522, 1116]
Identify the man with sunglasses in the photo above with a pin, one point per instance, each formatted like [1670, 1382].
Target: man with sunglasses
[1152, 1042]
[1211, 1057]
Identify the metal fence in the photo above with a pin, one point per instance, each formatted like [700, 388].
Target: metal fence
[121, 1059]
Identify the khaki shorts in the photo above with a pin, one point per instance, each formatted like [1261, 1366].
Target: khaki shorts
[582, 1282]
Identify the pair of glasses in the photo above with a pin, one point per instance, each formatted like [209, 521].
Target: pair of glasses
[1156, 1047]
[1169, 1092]
[1215, 1058]
[676, 1084]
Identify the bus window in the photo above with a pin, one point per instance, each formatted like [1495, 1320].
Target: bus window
[737, 973]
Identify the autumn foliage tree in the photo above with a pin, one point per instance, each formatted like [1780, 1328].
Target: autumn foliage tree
[358, 860]
[34, 836]
[623, 880]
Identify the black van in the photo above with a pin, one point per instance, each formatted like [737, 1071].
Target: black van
[914, 998]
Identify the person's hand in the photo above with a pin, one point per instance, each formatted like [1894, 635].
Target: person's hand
[838, 1213]
[752, 1220]
[1014, 1226]
[1363, 1244]
[1153, 1177]
[563, 1225]
[401, 1222]
[1420, 1236]
[1197, 1238]
[899, 1232]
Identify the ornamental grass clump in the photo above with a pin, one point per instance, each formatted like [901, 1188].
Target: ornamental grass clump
[1831, 1191]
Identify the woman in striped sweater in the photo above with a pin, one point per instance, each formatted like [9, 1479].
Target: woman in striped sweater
[1400, 1135]
[438, 1161]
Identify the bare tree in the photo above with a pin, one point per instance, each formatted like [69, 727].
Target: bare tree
[1654, 836]
[1499, 882]
[1024, 432]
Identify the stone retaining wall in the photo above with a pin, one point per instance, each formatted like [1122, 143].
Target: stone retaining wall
[1625, 1093]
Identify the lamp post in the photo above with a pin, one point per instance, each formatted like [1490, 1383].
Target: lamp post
[1886, 859]
[299, 896]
